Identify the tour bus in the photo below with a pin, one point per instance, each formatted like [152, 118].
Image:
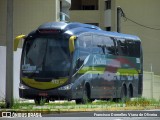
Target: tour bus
[81, 62]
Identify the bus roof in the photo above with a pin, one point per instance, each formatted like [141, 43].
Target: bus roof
[75, 28]
[78, 31]
[66, 26]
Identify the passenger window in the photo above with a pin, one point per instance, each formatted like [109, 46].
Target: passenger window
[97, 44]
[122, 47]
[137, 48]
[109, 45]
[133, 48]
[84, 45]
[85, 42]
[103, 45]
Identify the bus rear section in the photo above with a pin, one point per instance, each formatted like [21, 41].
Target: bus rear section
[107, 66]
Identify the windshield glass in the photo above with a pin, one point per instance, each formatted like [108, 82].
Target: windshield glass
[46, 57]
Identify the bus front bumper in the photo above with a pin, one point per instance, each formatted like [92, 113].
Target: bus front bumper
[52, 94]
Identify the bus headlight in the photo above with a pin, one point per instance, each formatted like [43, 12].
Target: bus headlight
[22, 87]
[66, 87]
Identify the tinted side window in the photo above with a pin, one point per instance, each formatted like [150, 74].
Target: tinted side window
[133, 48]
[109, 45]
[122, 47]
[137, 48]
[97, 44]
[103, 45]
[84, 42]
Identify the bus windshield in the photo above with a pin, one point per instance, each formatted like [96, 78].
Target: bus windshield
[46, 57]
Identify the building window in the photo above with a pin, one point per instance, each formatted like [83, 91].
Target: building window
[84, 5]
[108, 4]
[88, 7]
[96, 24]
[108, 28]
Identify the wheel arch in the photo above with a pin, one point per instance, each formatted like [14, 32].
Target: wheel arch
[88, 88]
[125, 88]
[130, 90]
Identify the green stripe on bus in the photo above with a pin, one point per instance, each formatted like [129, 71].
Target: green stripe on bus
[102, 70]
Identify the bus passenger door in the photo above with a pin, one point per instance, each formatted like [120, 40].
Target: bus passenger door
[81, 57]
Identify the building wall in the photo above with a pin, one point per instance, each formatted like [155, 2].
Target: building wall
[88, 16]
[151, 85]
[27, 16]
[85, 16]
[147, 13]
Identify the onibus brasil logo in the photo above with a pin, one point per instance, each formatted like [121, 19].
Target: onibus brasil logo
[20, 114]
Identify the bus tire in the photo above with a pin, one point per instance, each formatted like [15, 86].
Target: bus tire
[130, 92]
[39, 101]
[123, 93]
[85, 97]
[78, 101]
[47, 100]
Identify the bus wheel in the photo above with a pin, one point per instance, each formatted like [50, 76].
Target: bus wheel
[86, 95]
[47, 101]
[85, 98]
[123, 94]
[78, 101]
[130, 92]
[39, 101]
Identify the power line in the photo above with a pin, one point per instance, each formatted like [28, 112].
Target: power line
[141, 24]
[126, 18]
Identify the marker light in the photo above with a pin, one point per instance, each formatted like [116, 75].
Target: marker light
[49, 31]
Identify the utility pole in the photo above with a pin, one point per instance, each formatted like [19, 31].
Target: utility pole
[61, 15]
[119, 19]
[9, 55]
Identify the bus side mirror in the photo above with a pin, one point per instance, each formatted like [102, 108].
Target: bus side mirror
[16, 41]
[71, 43]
